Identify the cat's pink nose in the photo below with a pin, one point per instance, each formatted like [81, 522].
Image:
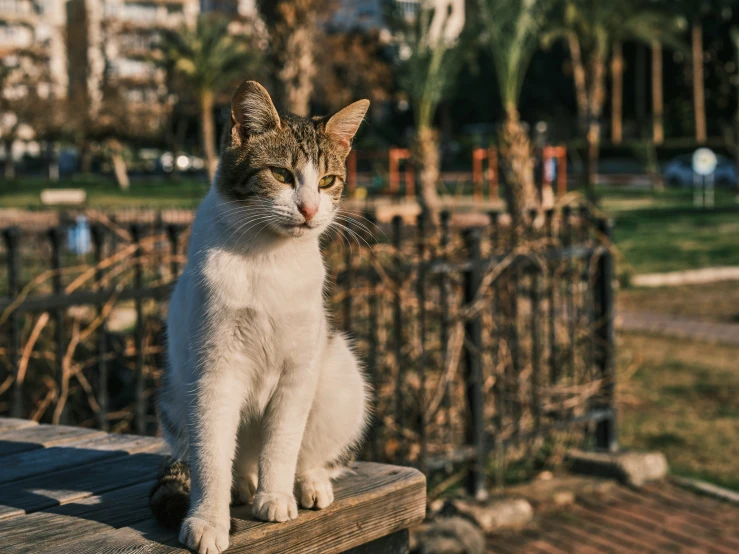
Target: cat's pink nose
[308, 210]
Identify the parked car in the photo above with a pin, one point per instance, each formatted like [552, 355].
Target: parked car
[678, 172]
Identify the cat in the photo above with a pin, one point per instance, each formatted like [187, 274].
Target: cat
[262, 400]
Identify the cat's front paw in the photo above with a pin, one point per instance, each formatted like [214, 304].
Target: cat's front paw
[244, 489]
[274, 506]
[315, 490]
[202, 537]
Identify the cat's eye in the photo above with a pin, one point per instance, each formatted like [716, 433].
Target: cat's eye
[281, 174]
[327, 181]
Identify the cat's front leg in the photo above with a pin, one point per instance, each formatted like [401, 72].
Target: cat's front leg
[213, 421]
[284, 424]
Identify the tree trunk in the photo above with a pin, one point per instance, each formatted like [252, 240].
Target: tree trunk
[578, 74]
[658, 104]
[298, 70]
[617, 99]
[595, 111]
[85, 157]
[9, 172]
[699, 97]
[517, 167]
[53, 161]
[208, 133]
[640, 85]
[429, 169]
[119, 164]
[593, 140]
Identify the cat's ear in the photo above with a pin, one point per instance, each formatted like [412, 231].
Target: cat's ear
[252, 110]
[343, 125]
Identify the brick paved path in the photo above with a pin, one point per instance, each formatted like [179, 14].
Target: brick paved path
[661, 517]
[663, 324]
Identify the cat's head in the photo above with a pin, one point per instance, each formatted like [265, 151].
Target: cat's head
[283, 172]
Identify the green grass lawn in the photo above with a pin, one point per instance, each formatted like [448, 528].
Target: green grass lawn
[103, 193]
[615, 199]
[663, 240]
[681, 398]
[662, 231]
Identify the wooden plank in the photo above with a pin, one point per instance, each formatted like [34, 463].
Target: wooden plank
[68, 523]
[396, 543]
[10, 423]
[40, 436]
[44, 491]
[373, 502]
[75, 454]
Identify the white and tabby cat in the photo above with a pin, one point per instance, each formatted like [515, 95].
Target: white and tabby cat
[260, 395]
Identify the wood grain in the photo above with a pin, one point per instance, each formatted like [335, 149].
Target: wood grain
[81, 518]
[44, 491]
[66, 489]
[40, 436]
[75, 454]
[8, 423]
[375, 501]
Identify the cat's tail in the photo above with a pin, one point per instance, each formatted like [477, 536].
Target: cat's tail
[170, 497]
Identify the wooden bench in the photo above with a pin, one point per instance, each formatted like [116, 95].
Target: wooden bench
[63, 197]
[74, 490]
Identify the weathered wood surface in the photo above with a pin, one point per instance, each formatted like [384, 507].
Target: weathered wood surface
[88, 493]
[42, 436]
[75, 454]
[8, 423]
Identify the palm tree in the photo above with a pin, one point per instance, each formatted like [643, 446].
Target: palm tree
[699, 87]
[512, 33]
[427, 56]
[595, 27]
[294, 26]
[658, 101]
[617, 96]
[208, 59]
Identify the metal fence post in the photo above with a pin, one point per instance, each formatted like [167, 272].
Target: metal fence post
[11, 243]
[372, 355]
[55, 238]
[98, 239]
[398, 324]
[605, 433]
[138, 269]
[475, 427]
[421, 297]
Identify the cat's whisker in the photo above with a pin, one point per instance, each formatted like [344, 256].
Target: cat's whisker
[354, 214]
[354, 235]
[334, 227]
[357, 237]
[357, 223]
[249, 223]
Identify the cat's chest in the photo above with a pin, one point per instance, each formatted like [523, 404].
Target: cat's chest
[273, 288]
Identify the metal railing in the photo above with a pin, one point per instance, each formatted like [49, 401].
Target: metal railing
[475, 337]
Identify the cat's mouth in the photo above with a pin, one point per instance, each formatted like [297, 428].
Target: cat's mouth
[297, 229]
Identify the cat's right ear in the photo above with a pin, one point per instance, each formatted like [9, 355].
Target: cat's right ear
[252, 111]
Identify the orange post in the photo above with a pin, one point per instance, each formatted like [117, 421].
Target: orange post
[558, 153]
[395, 156]
[479, 155]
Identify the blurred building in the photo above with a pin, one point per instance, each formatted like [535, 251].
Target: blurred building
[369, 14]
[37, 25]
[358, 14]
[112, 48]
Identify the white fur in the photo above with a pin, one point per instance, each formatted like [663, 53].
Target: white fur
[259, 394]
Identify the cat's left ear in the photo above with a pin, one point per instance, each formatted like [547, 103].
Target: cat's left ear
[343, 125]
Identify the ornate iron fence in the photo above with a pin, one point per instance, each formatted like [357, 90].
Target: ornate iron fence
[474, 336]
